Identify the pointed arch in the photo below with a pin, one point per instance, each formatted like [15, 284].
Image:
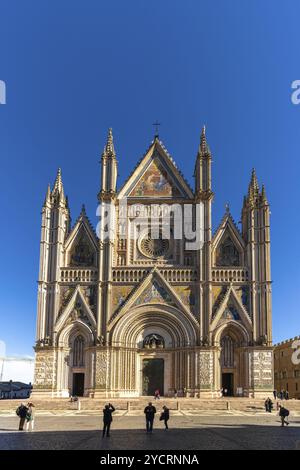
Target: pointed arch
[228, 246]
[85, 315]
[229, 299]
[81, 246]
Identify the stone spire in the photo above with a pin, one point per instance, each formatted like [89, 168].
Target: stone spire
[57, 193]
[203, 147]
[109, 149]
[253, 189]
[47, 200]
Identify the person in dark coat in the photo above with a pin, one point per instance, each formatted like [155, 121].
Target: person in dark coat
[165, 416]
[283, 413]
[107, 418]
[149, 411]
[275, 394]
[22, 413]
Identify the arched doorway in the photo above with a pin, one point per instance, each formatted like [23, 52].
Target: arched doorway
[152, 344]
[75, 375]
[233, 339]
[228, 364]
[77, 359]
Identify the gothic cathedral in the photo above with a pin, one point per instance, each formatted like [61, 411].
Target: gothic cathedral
[153, 299]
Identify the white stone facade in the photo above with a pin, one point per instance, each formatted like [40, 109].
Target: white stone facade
[119, 316]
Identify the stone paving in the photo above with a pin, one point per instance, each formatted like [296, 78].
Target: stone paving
[188, 431]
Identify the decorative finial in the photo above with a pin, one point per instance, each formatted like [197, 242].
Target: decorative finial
[227, 207]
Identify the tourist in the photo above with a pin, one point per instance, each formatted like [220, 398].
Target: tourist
[283, 413]
[157, 394]
[21, 411]
[149, 411]
[270, 405]
[267, 404]
[107, 418]
[30, 416]
[275, 394]
[165, 416]
[287, 395]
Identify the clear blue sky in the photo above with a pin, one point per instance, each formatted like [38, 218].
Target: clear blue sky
[74, 68]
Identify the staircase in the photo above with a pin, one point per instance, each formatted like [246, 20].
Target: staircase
[138, 404]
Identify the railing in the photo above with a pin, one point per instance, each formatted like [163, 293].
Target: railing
[136, 275]
[228, 275]
[78, 275]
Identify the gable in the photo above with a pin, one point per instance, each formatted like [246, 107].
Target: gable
[77, 309]
[229, 307]
[154, 293]
[154, 289]
[156, 175]
[82, 252]
[228, 244]
[155, 181]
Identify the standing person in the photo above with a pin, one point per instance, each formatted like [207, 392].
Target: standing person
[149, 411]
[30, 416]
[283, 413]
[267, 404]
[270, 407]
[107, 419]
[165, 416]
[287, 395]
[21, 411]
[157, 394]
[275, 394]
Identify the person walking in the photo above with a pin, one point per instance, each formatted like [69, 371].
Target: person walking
[157, 394]
[165, 416]
[21, 411]
[149, 411]
[283, 413]
[30, 416]
[107, 419]
[275, 394]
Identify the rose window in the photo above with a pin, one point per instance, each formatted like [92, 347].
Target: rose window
[154, 247]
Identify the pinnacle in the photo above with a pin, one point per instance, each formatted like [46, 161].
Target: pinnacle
[109, 147]
[203, 148]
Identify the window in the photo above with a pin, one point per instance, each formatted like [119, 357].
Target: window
[78, 352]
[227, 357]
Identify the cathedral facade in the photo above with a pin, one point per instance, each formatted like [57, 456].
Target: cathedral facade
[152, 299]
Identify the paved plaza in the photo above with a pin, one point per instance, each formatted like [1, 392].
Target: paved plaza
[188, 431]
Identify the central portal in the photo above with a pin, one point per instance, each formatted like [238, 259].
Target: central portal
[78, 385]
[153, 376]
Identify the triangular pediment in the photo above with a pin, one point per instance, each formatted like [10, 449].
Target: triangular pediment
[231, 309]
[156, 175]
[81, 244]
[155, 290]
[228, 246]
[76, 310]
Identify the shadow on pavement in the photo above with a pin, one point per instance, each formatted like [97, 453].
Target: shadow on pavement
[200, 437]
